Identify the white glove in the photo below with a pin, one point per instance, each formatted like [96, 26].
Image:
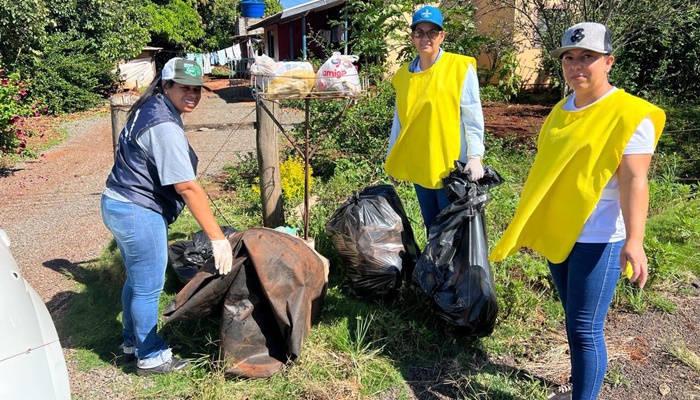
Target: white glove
[474, 164]
[223, 255]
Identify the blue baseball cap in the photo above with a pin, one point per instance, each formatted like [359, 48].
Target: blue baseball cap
[427, 14]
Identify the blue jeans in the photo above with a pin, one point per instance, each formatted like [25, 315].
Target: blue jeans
[586, 283]
[431, 202]
[142, 237]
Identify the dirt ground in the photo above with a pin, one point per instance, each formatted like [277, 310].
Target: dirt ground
[638, 344]
[522, 121]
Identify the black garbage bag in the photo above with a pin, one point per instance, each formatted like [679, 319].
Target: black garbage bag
[454, 269]
[372, 235]
[186, 257]
[274, 291]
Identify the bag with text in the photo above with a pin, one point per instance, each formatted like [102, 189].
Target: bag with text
[338, 75]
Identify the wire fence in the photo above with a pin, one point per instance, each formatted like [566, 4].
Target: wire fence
[239, 77]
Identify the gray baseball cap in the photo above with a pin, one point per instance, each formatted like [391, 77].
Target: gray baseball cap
[585, 35]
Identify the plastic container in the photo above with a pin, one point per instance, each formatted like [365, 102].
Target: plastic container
[252, 8]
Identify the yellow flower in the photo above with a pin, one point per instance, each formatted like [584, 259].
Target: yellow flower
[292, 176]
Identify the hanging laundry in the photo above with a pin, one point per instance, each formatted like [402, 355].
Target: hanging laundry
[341, 33]
[199, 59]
[213, 58]
[206, 61]
[237, 51]
[326, 34]
[229, 53]
[190, 56]
[222, 57]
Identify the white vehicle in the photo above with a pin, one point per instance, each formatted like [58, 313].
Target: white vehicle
[31, 359]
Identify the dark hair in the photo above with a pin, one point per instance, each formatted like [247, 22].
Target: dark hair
[154, 88]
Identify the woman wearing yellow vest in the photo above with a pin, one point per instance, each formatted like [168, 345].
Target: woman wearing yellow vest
[438, 117]
[585, 201]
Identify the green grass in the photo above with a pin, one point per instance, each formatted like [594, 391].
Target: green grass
[389, 350]
[679, 349]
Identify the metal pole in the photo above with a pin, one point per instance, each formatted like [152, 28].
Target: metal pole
[303, 35]
[306, 173]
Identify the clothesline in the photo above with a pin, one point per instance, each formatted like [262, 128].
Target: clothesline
[219, 57]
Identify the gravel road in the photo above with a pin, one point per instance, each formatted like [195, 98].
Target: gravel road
[50, 207]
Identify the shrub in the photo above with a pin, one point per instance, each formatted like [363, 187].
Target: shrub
[362, 133]
[70, 75]
[292, 180]
[491, 93]
[14, 106]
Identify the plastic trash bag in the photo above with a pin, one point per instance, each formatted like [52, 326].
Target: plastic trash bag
[263, 65]
[374, 239]
[275, 289]
[186, 257]
[338, 75]
[262, 69]
[454, 269]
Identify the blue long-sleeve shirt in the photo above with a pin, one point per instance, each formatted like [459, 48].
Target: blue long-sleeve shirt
[471, 115]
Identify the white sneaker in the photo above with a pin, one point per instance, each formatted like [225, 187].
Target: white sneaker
[562, 392]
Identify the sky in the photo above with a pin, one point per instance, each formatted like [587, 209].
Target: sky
[291, 3]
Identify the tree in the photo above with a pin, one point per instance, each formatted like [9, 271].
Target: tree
[219, 22]
[664, 63]
[272, 7]
[70, 75]
[219, 18]
[462, 36]
[115, 28]
[66, 50]
[174, 24]
[627, 20]
[378, 26]
[22, 31]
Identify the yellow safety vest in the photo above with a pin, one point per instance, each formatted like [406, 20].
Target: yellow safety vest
[578, 152]
[428, 107]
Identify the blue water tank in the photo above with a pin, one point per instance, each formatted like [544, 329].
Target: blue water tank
[252, 8]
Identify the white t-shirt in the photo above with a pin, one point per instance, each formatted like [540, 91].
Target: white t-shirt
[605, 224]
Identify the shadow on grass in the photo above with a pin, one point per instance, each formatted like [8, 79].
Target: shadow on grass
[433, 360]
[436, 362]
[91, 319]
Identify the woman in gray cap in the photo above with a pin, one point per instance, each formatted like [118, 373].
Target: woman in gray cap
[153, 178]
[585, 201]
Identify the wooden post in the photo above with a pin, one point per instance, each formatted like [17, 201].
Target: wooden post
[269, 164]
[119, 105]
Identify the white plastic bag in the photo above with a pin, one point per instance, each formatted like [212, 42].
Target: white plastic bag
[338, 75]
[262, 68]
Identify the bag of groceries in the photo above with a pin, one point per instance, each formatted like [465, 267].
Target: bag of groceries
[291, 79]
[283, 79]
[338, 75]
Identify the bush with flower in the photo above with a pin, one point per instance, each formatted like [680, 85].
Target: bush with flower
[292, 180]
[15, 106]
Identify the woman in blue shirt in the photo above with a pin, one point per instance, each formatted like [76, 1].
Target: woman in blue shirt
[153, 178]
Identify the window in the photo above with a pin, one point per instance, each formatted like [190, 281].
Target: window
[271, 43]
